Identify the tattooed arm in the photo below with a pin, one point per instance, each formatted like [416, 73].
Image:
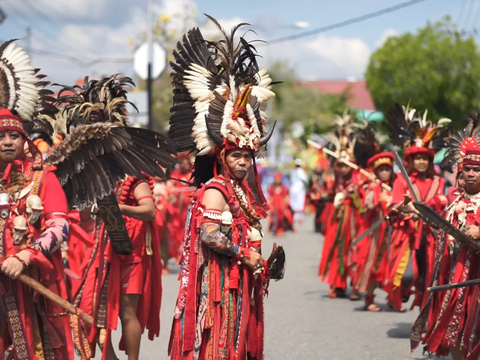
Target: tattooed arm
[211, 236]
[55, 210]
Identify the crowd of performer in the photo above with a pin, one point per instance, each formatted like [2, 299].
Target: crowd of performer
[384, 229]
[93, 212]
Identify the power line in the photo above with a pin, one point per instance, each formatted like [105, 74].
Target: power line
[462, 10]
[469, 13]
[53, 25]
[476, 16]
[345, 23]
[39, 12]
[76, 60]
[19, 12]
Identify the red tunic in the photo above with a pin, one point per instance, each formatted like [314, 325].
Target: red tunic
[337, 262]
[319, 197]
[412, 248]
[452, 316]
[281, 217]
[179, 198]
[219, 311]
[107, 277]
[36, 327]
[80, 240]
[373, 250]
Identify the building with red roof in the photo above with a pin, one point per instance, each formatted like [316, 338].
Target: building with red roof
[359, 96]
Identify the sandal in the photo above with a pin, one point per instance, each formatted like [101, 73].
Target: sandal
[340, 293]
[391, 307]
[332, 294]
[369, 304]
[372, 307]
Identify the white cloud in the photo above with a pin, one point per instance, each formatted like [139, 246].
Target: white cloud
[94, 29]
[388, 33]
[348, 55]
[325, 57]
[101, 39]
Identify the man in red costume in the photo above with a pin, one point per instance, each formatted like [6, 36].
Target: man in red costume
[336, 263]
[320, 185]
[116, 285]
[373, 259]
[281, 217]
[179, 198]
[449, 321]
[33, 223]
[412, 248]
[219, 311]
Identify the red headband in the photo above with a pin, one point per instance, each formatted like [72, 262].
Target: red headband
[11, 122]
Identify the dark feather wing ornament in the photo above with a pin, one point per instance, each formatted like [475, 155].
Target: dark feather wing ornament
[399, 126]
[366, 143]
[100, 149]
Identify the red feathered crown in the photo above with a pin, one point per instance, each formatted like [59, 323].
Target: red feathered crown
[463, 146]
[411, 130]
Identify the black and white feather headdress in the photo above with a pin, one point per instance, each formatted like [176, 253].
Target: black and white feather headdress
[220, 94]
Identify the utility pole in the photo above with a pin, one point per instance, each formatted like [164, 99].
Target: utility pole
[28, 40]
[150, 57]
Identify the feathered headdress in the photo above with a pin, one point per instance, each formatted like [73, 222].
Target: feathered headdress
[464, 145]
[100, 149]
[23, 100]
[220, 94]
[341, 140]
[412, 131]
[368, 149]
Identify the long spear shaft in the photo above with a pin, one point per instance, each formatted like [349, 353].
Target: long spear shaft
[35, 285]
[346, 162]
[446, 287]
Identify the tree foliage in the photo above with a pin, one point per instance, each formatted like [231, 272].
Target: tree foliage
[435, 69]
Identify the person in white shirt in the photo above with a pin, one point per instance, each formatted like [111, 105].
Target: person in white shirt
[298, 190]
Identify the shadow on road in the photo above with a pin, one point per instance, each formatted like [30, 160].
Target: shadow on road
[401, 331]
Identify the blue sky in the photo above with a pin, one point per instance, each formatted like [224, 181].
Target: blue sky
[88, 29]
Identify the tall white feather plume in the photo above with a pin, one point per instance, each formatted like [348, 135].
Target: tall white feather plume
[262, 90]
[21, 81]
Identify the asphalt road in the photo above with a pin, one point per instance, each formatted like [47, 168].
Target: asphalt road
[301, 321]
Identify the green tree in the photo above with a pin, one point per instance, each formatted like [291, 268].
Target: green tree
[435, 69]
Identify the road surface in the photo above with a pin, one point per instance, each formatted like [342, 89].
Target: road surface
[301, 321]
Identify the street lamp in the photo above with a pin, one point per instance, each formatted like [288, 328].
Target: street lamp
[301, 25]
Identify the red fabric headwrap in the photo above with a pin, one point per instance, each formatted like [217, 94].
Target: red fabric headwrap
[8, 121]
[472, 157]
[11, 122]
[414, 150]
[380, 159]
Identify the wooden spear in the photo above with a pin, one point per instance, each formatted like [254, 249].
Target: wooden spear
[346, 162]
[35, 285]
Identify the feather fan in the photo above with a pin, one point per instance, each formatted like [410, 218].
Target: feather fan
[100, 149]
